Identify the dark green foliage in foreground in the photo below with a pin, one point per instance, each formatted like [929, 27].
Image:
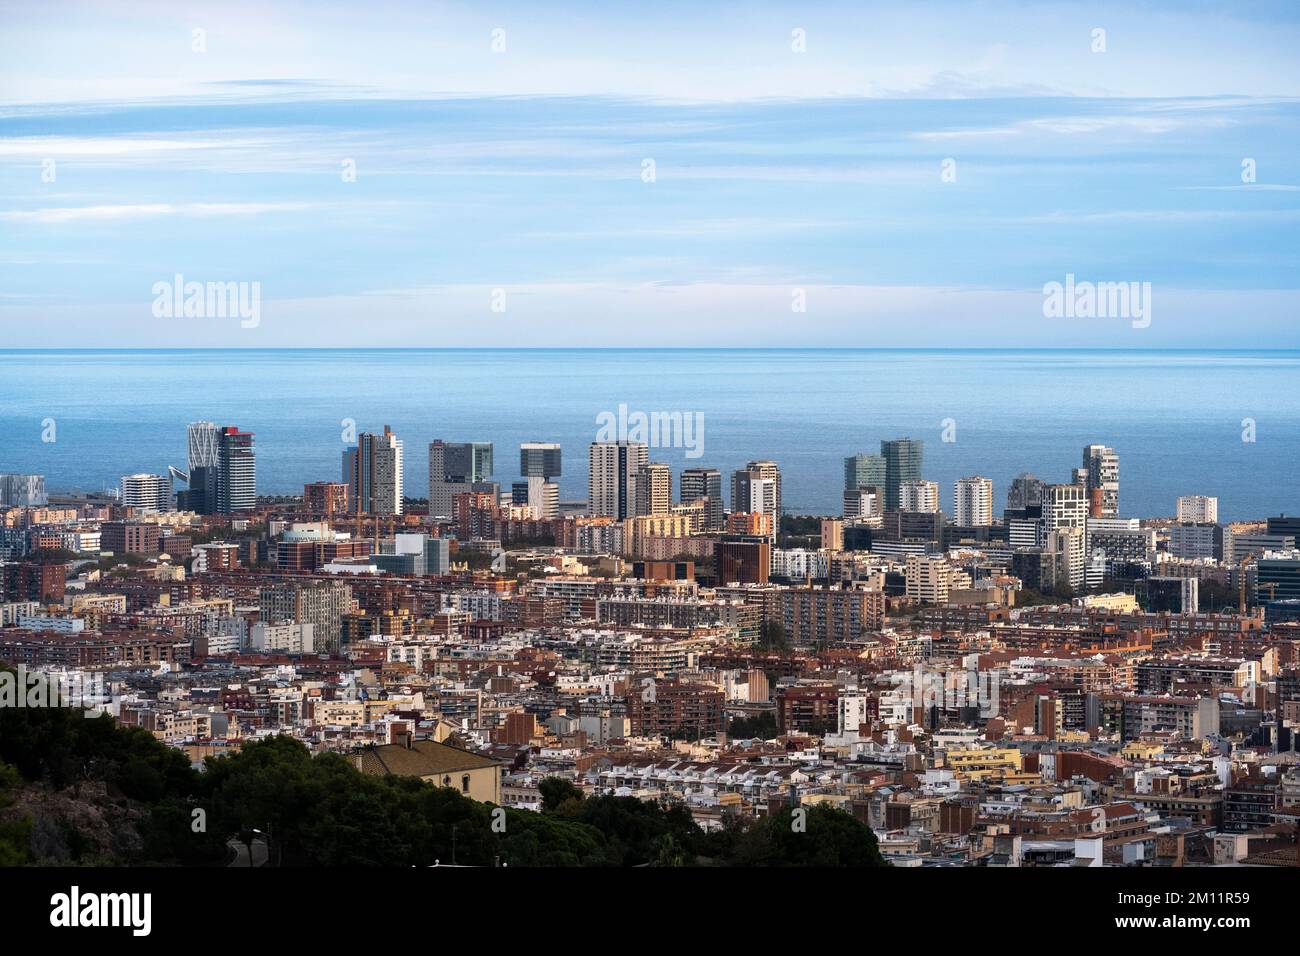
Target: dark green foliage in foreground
[97, 793]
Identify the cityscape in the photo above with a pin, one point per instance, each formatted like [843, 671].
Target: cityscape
[501, 446]
[1029, 681]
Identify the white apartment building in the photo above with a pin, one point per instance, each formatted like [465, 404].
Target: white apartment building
[918, 495]
[147, 492]
[973, 501]
[611, 477]
[1197, 509]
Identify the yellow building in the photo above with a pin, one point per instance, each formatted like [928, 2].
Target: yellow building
[472, 775]
[992, 762]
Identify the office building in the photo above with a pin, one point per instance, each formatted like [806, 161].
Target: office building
[1277, 577]
[459, 467]
[22, 491]
[611, 477]
[744, 559]
[973, 501]
[866, 503]
[203, 440]
[1286, 525]
[373, 473]
[863, 469]
[903, 458]
[538, 460]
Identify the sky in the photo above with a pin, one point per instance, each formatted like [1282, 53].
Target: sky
[668, 174]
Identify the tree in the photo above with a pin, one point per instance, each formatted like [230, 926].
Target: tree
[773, 636]
[555, 791]
[826, 836]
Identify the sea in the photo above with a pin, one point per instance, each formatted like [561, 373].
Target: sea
[1223, 423]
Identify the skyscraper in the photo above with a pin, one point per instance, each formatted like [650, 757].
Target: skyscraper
[973, 501]
[704, 483]
[22, 491]
[539, 460]
[903, 458]
[1026, 491]
[539, 463]
[1065, 509]
[863, 469]
[204, 441]
[203, 468]
[654, 488]
[455, 468]
[373, 473]
[756, 488]
[236, 471]
[611, 476]
[1102, 467]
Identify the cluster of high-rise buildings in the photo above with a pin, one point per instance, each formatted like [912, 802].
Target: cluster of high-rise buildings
[1042, 684]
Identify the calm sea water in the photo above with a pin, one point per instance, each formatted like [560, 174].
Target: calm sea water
[1174, 417]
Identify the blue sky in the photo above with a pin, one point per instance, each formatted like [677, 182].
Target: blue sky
[776, 172]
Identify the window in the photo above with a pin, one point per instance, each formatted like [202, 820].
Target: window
[464, 784]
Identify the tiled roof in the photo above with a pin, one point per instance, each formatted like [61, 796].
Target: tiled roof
[423, 758]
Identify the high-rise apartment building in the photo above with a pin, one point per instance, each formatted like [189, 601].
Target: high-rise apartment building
[654, 488]
[903, 458]
[1101, 466]
[321, 604]
[611, 477]
[1197, 509]
[756, 488]
[704, 484]
[147, 492]
[1065, 509]
[325, 498]
[373, 473]
[863, 469]
[918, 495]
[973, 501]
[236, 471]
